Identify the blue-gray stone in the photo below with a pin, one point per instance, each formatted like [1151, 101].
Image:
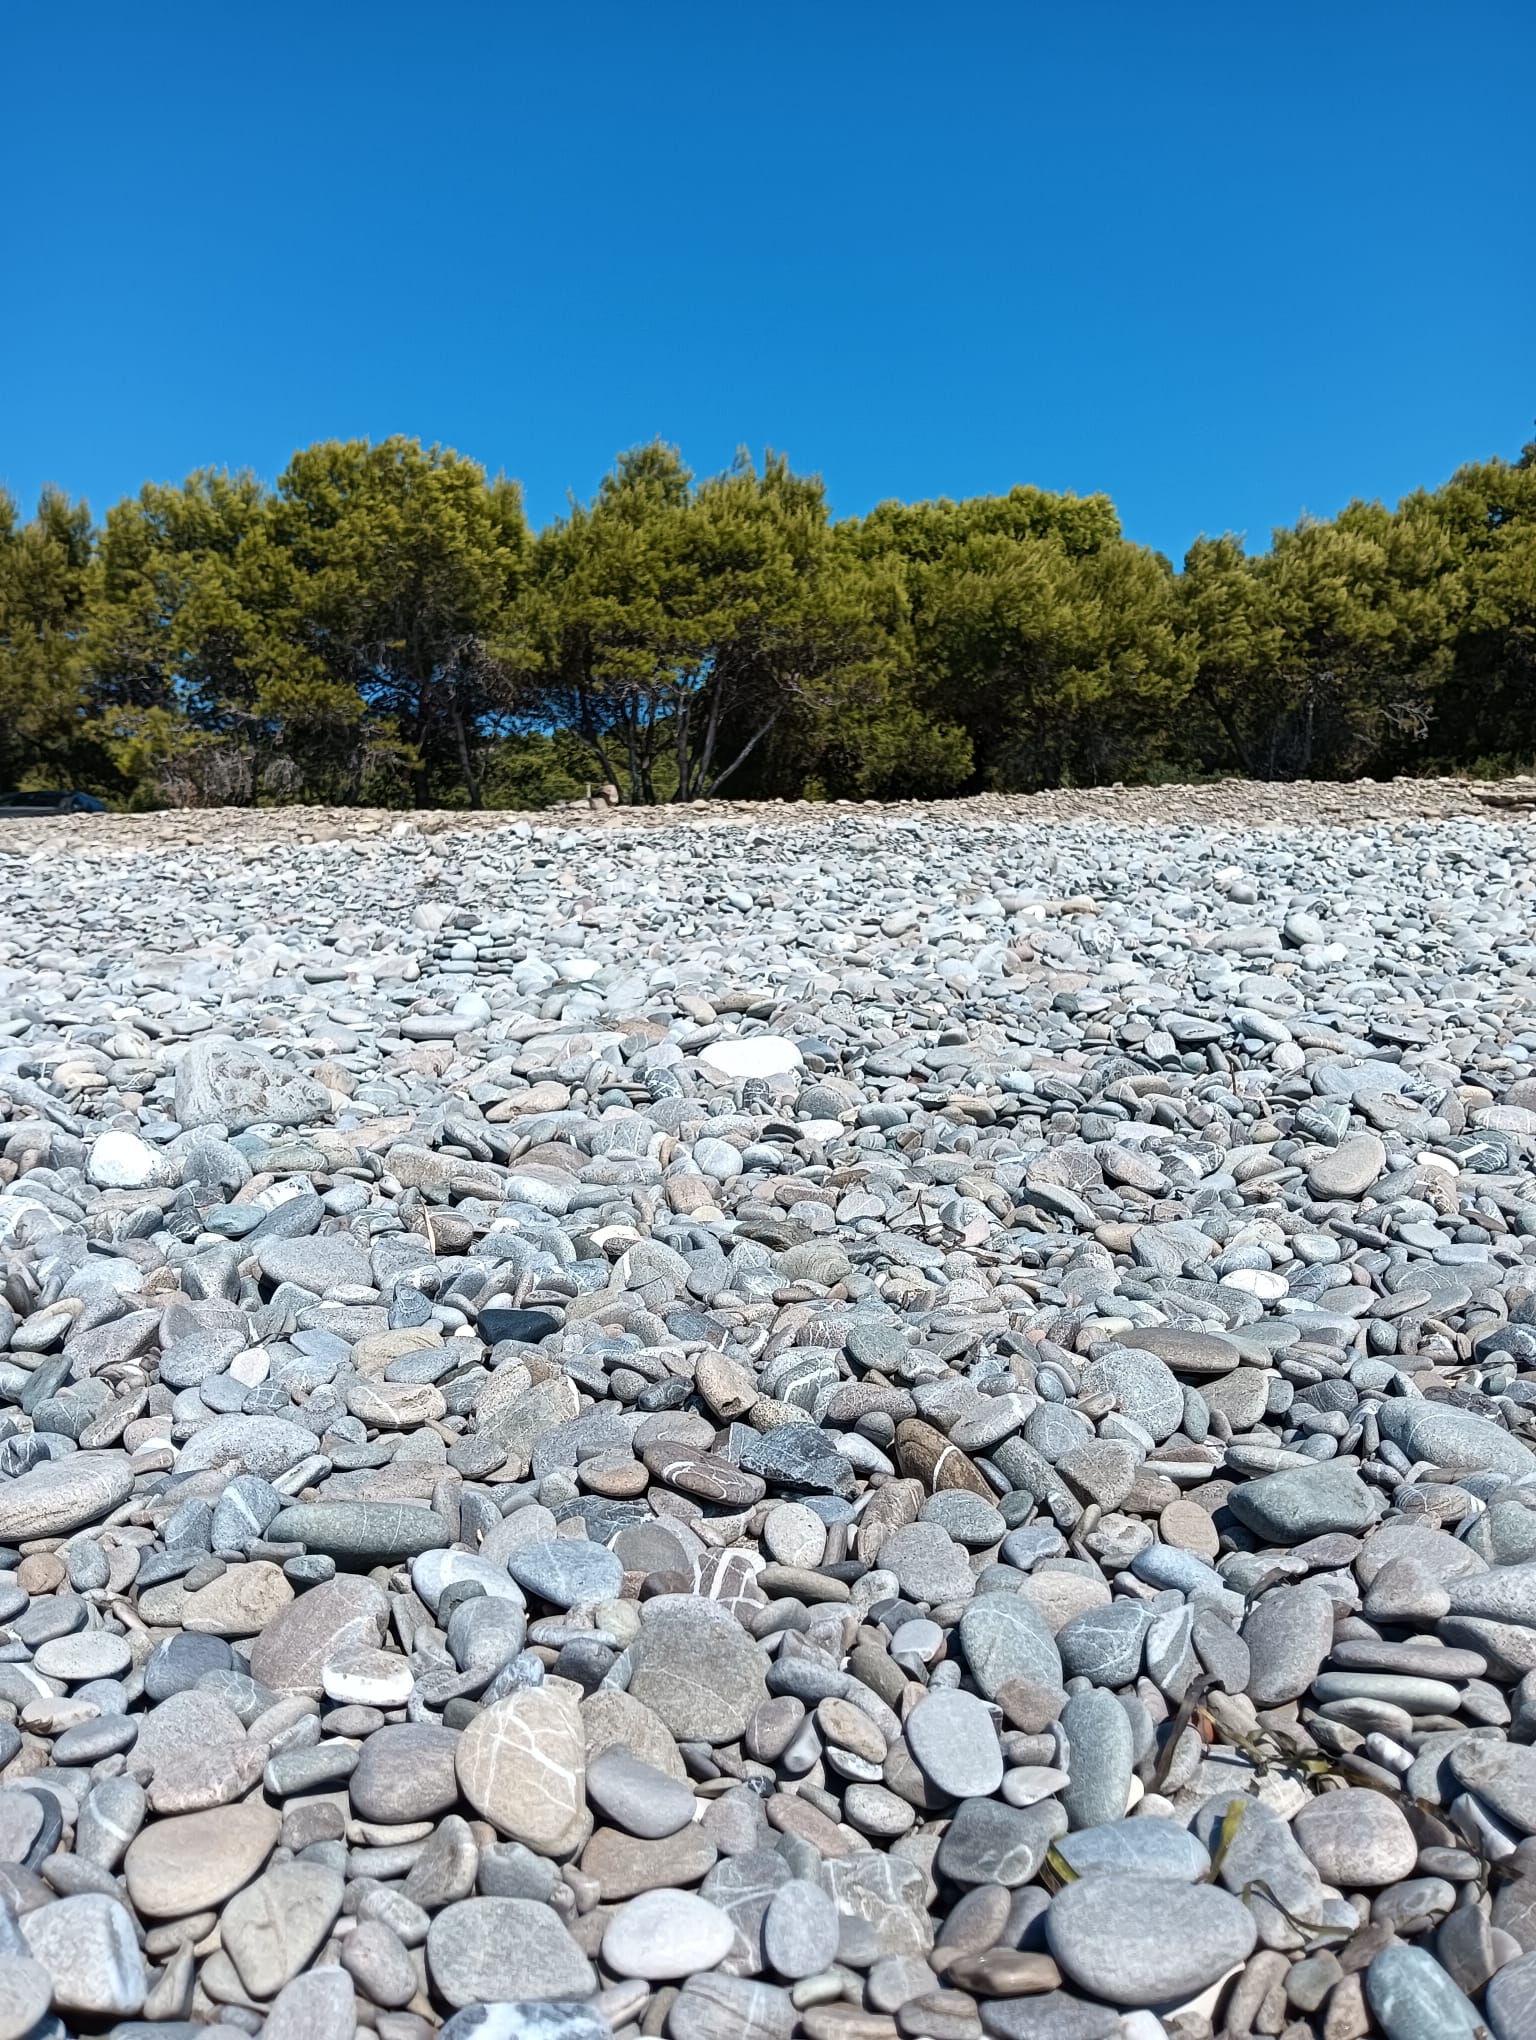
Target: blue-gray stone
[1149, 1846]
[243, 1512]
[568, 1572]
[1006, 1637]
[990, 1843]
[1142, 1941]
[361, 1533]
[1510, 2001]
[1413, 1998]
[1458, 1440]
[1102, 1755]
[1303, 1502]
[1105, 1644]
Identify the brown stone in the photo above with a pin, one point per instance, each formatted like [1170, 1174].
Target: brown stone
[522, 1764]
[926, 1455]
[624, 1865]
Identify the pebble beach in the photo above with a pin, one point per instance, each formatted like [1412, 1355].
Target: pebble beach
[772, 1422]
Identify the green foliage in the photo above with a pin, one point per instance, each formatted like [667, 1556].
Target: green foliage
[47, 577]
[1038, 630]
[380, 626]
[679, 626]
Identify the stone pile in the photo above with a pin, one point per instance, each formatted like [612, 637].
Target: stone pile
[889, 1425]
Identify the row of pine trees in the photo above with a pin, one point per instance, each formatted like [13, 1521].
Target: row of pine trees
[383, 627]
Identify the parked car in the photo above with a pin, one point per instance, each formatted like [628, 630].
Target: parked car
[17, 805]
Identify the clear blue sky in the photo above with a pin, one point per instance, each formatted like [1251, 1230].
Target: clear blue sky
[1227, 262]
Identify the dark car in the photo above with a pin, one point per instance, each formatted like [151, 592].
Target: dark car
[16, 805]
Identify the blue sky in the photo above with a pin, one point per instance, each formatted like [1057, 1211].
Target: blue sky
[1226, 262]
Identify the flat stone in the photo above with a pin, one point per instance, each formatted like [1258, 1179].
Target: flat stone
[234, 1084]
[1142, 1386]
[274, 1928]
[435, 1571]
[1148, 1846]
[244, 1601]
[567, 1572]
[1288, 1631]
[341, 1614]
[522, 1766]
[1350, 1169]
[198, 1860]
[485, 1951]
[1502, 1774]
[1005, 1637]
[666, 1934]
[360, 1533]
[698, 1670]
[954, 1743]
[88, 1946]
[1458, 1440]
[326, 1261]
[406, 1773]
[800, 1930]
[379, 1964]
[636, 1796]
[319, 2006]
[63, 1495]
[989, 1843]
[1510, 2002]
[719, 2007]
[26, 1991]
[1135, 1940]
[1303, 1502]
[1356, 1839]
[1198, 1354]
[625, 1865]
[89, 1654]
[266, 1446]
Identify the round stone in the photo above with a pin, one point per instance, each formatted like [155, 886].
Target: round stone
[197, 1860]
[954, 1743]
[1356, 1839]
[1137, 1941]
[522, 1766]
[406, 1773]
[492, 1950]
[88, 1946]
[89, 1654]
[1350, 1169]
[800, 1930]
[636, 1796]
[663, 1934]
[26, 1991]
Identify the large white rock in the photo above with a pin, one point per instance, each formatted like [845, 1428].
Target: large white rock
[121, 1161]
[752, 1055]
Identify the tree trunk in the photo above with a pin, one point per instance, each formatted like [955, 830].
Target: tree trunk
[711, 732]
[588, 728]
[740, 758]
[461, 740]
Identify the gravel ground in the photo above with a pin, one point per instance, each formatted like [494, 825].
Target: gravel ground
[772, 1421]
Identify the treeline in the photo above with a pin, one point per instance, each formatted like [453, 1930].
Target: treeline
[383, 627]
